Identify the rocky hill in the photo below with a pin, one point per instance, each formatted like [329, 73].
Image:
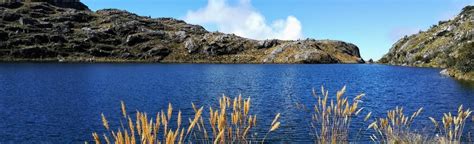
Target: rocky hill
[45, 32]
[449, 44]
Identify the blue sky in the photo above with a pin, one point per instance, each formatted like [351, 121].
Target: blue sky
[373, 25]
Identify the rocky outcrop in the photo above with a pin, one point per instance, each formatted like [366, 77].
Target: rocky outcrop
[41, 31]
[449, 44]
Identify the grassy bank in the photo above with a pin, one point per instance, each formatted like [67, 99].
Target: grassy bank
[331, 119]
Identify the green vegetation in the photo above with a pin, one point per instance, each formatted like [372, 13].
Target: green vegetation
[465, 59]
[233, 122]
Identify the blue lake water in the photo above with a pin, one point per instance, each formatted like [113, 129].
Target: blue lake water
[62, 103]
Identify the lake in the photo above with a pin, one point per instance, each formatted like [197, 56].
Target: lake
[62, 103]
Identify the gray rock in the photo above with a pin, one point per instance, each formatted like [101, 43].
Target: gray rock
[445, 72]
[44, 25]
[180, 35]
[28, 21]
[99, 52]
[370, 61]
[190, 45]
[314, 56]
[34, 52]
[136, 38]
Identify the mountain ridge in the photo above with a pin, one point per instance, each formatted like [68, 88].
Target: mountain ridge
[40, 31]
[449, 45]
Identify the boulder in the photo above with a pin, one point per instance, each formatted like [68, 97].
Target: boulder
[158, 51]
[315, 56]
[445, 72]
[11, 5]
[190, 45]
[7, 16]
[135, 39]
[40, 38]
[44, 25]
[57, 39]
[42, 7]
[267, 43]
[28, 21]
[221, 49]
[98, 52]
[180, 36]
[3, 36]
[370, 61]
[34, 52]
[37, 15]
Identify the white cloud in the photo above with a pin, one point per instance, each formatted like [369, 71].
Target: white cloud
[241, 19]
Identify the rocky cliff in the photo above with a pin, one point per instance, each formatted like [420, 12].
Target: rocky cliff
[449, 44]
[44, 32]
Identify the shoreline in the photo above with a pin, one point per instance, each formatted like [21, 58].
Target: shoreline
[148, 61]
[446, 71]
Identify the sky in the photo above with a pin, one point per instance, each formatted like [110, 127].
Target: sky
[372, 25]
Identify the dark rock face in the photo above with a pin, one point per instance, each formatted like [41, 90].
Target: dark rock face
[3, 36]
[45, 31]
[450, 44]
[267, 43]
[10, 16]
[34, 52]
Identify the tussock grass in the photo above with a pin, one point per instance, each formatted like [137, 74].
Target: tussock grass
[332, 118]
[396, 128]
[450, 130]
[232, 122]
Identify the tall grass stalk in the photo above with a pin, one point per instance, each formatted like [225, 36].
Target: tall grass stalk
[232, 122]
[450, 130]
[332, 118]
[396, 128]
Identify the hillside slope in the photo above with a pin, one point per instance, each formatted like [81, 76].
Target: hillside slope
[44, 32]
[446, 45]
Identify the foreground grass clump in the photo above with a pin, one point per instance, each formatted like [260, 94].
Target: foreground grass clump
[396, 128]
[453, 126]
[332, 119]
[232, 122]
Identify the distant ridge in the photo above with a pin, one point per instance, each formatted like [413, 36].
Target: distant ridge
[449, 44]
[44, 31]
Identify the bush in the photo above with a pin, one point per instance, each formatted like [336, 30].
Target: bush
[465, 60]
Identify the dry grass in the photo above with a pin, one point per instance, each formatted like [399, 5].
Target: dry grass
[452, 127]
[396, 128]
[332, 119]
[232, 122]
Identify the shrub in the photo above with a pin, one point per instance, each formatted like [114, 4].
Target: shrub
[465, 60]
